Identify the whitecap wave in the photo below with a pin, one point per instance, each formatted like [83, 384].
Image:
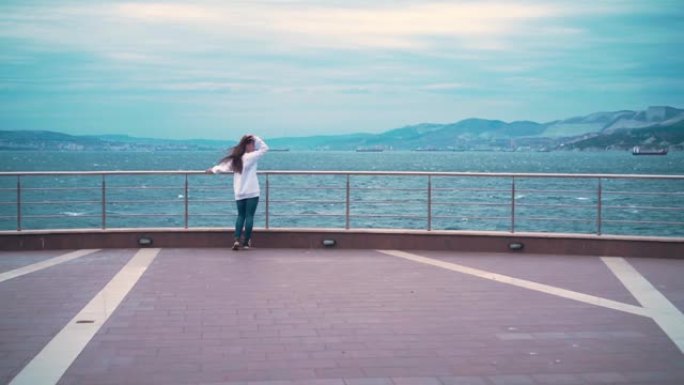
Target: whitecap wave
[72, 213]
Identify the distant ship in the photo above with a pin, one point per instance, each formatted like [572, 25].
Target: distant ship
[638, 151]
[370, 149]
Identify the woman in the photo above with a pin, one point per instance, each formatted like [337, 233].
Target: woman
[242, 162]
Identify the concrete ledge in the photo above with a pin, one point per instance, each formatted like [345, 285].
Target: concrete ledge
[534, 243]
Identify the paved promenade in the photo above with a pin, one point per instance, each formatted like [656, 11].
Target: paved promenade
[338, 317]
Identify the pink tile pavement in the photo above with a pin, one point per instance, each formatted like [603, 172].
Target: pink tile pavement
[36, 306]
[665, 275]
[10, 260]
[334, 317]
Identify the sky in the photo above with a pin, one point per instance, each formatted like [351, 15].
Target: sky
[219, 69]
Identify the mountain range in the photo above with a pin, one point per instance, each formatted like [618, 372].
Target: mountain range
[661, 127]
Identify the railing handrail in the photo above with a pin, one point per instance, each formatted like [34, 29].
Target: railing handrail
[109, 198]
[352, 172]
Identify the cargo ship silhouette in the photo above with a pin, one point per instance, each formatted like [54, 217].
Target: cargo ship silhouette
[639, 151]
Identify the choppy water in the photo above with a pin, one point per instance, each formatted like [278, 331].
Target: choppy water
[560, 205]
[543, 162]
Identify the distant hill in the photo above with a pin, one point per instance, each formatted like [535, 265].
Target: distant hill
[655, 136]
[486, 134]
[55, 141]
[202, 143]
[46, 140]
[617, 130]
[610, 122]
[329, 142]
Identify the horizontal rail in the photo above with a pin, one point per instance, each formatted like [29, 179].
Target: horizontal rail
[388, 201]
[142, 215]
[60, 216]
[65, 202]
[308, 187]
[468, 203]
[470, 217]
[144, 187]
[506, 218]
[586, 205]
[469, 189]
[387, 216]
[647, 222]
[645, 193]
[145, 201]
[555, 219]
[668, 208]
[213, 215]
[388, 188]
[58, 188]
[308, 215]
[521, 190]
[358, 173]
[304, 201]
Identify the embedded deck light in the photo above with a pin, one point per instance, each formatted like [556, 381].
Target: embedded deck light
[145, 241]
[515, 246]
[329, 243]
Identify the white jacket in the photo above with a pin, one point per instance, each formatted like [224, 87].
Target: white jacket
[245, 184]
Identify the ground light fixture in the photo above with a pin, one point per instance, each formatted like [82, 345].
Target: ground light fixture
[329, 243]
[516, 246]
[145, 241]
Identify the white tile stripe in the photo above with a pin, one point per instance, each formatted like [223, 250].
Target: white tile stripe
[45, 264]
[531, 285]
[663, 312]
[50, 364]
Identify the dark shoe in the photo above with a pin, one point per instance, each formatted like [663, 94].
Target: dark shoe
[247, 244]
[236, 245]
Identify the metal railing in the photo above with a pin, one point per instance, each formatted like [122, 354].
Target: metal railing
[508, 202]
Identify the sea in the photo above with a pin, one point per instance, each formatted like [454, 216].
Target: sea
[622, 206]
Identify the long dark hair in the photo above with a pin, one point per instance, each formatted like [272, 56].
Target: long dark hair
[236, 153]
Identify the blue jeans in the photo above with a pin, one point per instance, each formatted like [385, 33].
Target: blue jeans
[246, 209]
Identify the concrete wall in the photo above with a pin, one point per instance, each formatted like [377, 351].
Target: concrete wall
[534, 243]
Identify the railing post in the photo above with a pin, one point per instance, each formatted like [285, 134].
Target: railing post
[512, 204]
[599, 205]
[104, 203]
[429, 203]
[185, 195]
[268, 189]
[18, 202]
[346, 216]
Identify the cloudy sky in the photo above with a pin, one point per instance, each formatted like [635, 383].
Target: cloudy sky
[217, 69]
